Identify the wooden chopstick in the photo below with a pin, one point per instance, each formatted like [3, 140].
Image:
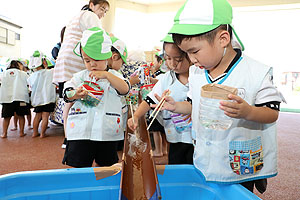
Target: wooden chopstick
[160, 107]
[161, 101]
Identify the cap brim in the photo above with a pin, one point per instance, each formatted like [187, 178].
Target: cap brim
[191, 29]
[168, 39]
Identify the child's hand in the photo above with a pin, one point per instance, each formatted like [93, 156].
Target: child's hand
[237, 109]
[132, 125]
[98, 75]
[169, 103]
[134, 79]
[80, 93]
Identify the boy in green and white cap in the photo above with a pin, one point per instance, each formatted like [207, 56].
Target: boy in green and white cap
[245, 153]
[94, 124]
[43, 93]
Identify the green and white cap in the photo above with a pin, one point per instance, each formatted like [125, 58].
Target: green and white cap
[168, 39]
[120, 46]
[201, 16]
[95, 43]
[36, 60]
[24, 62]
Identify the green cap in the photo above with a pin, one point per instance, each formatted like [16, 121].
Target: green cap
[168, 39]
[49, 61]
[201, 16]
[24, 62]
[121, 47]
[36, 60]
[95, 43]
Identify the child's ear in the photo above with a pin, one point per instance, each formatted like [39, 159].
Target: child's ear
[224, 38]
[160, 62]
[114, 57]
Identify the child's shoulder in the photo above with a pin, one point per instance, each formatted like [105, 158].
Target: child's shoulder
[254, 65]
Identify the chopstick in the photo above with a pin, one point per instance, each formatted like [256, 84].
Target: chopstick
[91, 95]
[157, 109]
[93, 91]
[159, 104]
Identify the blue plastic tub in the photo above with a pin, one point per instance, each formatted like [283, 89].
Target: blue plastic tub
[177, 182]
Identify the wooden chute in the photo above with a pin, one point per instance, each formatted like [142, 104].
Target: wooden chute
[139, 179]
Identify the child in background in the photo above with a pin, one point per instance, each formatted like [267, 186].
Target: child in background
[157, 130]
[94, 125]
[245, 153]
[14, 95]
[118, 58]
[24, 67]
[43, 93]
[176, 81]
[158, 61]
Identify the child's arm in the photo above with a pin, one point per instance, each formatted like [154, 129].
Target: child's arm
[182, 107]
[241, 109]
[141, 111]
[120, 85]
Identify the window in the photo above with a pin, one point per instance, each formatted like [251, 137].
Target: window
[3, 33]
[11, 37]
[18, 36]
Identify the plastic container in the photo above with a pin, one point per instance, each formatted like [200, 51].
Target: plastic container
[210, 115]
[176, 182]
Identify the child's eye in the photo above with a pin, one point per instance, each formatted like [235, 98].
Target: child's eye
[195, 51]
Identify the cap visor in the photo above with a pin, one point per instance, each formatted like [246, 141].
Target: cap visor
[191, 29]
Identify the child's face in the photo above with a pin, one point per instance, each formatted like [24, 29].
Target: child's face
[93, 65]
[202, 53]
[115, 62]
[175, 59]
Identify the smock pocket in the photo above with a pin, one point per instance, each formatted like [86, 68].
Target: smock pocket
[246, 157]
[182, 123]
[113, 123]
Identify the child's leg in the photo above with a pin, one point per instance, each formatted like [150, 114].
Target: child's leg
[165, 144]
[15, 122]
[5, 123]
[29, 119]
[36, 123]
[21, 125]
[158, 144]
[45, 118]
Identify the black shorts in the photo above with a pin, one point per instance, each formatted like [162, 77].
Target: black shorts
[156, 126]
[181, 153]
[260, 185]
[45, 108]
[82, 153]
[18, 107]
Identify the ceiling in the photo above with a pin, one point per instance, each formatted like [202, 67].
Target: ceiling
[234, 3]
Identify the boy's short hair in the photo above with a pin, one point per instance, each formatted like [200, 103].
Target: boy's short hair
[158, 58]
[208, 36]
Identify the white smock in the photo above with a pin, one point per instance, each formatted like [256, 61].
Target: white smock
[14, 86]
[177, 126]
[43, 90]
[102, 122]
[247, 150]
